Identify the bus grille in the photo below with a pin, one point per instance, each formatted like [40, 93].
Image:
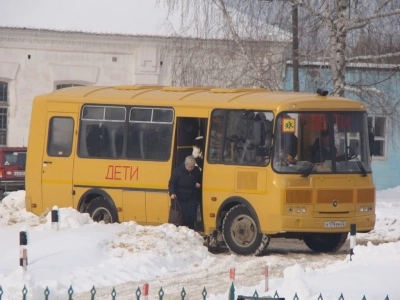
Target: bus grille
[298, 196]
[328, 196]
[365, 195]
[246, 180]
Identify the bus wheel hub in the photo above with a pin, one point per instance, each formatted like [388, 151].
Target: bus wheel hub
[243, 230]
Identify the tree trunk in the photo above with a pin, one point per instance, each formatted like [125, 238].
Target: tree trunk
[338, 33]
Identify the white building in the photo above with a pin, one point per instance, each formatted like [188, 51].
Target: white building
[35, 62]
[57, 45]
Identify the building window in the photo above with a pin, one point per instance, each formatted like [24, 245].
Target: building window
[3, 91]
[3, 112]
[379, 127]
[66, 85]
[3, 126]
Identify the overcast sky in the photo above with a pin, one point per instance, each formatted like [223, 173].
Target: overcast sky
[99, 16]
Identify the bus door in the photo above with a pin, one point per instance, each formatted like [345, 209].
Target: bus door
[58, 159]
[188, 130]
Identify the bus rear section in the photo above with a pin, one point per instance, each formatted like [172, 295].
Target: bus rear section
[50, 163]
[112, 161]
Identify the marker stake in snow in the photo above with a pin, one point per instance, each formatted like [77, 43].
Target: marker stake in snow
[352, 238]
[266, 278]
[23, 252]
[54, 219]
[145, 291]
[232, 274]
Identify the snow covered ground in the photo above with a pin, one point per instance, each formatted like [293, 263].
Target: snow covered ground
[85, 254]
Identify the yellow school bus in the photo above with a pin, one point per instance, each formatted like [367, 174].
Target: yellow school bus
[276, 164]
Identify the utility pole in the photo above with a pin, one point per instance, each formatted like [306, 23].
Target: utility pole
[295, 45]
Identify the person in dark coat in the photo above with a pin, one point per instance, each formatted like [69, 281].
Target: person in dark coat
[321, 150]
[184, 187]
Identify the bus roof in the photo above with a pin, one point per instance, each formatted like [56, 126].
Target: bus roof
[249, 98]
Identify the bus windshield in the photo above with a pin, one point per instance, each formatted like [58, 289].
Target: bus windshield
[315, 142]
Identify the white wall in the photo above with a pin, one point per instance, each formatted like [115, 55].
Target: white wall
[61, 57]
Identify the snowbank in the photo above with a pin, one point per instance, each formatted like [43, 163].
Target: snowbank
[12, 211]
[84, 253]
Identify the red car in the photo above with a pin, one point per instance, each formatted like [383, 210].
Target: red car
[12, 169]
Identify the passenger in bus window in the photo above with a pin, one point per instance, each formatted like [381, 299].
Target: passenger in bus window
[215, 139]
[184, 187]
[321, 150]
[198, 150]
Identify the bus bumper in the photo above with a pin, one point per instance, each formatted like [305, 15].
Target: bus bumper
[322, 225]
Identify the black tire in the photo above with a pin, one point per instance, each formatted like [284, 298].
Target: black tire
[325, 242]
[240, 231]
[263, 249]
[100, 209]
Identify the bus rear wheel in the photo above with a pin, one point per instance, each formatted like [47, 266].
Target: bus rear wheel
[325, 242]
[240, 231]
[100, 210]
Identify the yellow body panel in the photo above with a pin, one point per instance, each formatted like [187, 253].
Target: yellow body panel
[139, 189]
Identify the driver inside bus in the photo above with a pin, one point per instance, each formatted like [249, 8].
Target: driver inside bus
[321, 150]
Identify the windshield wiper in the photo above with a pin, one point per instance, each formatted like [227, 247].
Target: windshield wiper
[308, 170]
[360, 165]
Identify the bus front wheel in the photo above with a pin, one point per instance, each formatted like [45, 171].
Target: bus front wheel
[100, 210]
[240, 231]
[325, 242]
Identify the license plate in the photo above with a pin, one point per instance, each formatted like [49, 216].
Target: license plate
[335, 224]
[19, 173]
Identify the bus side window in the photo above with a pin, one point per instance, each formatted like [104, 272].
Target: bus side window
[60, 137]
[102, 131]
[216, 136]
[150, 133]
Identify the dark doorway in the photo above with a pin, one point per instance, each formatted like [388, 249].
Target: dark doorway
[187, 131]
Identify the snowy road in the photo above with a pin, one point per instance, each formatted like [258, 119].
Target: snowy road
[214, 273]
[82, 254]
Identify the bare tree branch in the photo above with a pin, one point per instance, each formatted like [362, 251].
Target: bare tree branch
[362, 22]
[372, 57]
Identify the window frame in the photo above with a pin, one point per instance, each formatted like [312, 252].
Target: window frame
[327, 112]
[4, 94]
[172, 122]
[81, 118]
[127, 121]
[380, 138]
[48, 136]
[224, 125]
[104, 113]
[152, 114]
[4, 106]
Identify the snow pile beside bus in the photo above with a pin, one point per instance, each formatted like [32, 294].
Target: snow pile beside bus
[153, 243]
[12, 210]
